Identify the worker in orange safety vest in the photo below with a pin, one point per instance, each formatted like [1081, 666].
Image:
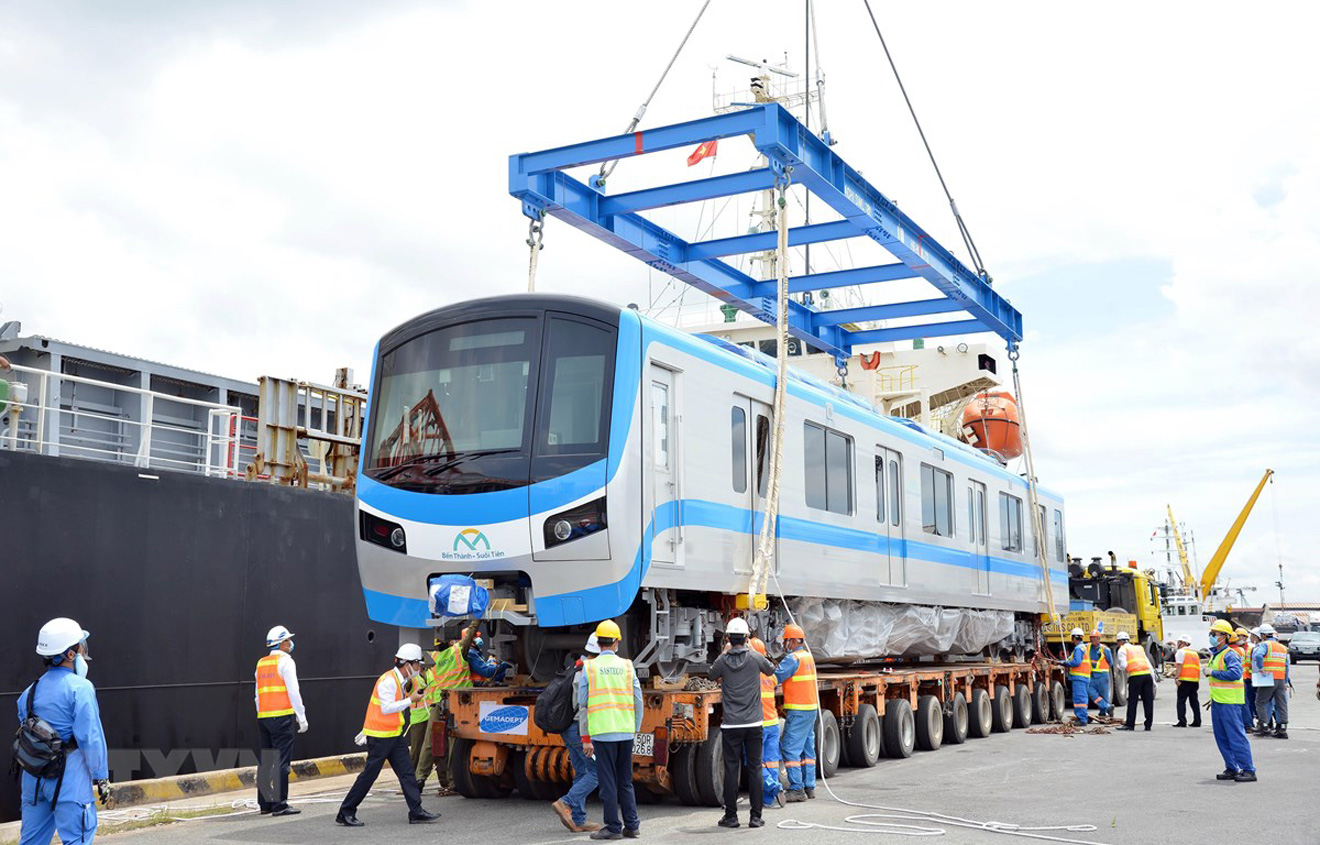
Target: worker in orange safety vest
[1188, 662]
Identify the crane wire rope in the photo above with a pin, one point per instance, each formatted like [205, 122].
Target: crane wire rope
[607, 167]
[962, 226]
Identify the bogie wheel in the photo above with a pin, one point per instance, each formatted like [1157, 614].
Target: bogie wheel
[957, 721]
[520, 780]
[1040, 703]
[900, 728]
[1001, 713]
[1057, 701]
[864, 743]
[708, 766]
[682, 774]
[930, 723]
[981, 714]
[828, 744]
[460, 768]
[1021, 706]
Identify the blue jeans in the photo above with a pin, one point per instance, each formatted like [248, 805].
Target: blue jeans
[614, 770]
[798, 748]
[584, 774]
[1081, 690]
[1231, 737]
[1099, 691]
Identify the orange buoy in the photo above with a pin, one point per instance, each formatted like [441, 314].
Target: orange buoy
[990, 421]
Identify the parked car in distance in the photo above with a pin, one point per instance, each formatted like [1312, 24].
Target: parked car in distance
[1304, 645]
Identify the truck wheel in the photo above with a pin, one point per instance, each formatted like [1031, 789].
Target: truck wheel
[1001, 711]
[1021, 706]
[863, 745]
[955, 723]
[828, 744]
[930, 723]
[460, 768]
[708, 766]
[980, 712]
[682, 774]
[1056, 701]
[899, 728]
[1118, 687]
[1040, 704]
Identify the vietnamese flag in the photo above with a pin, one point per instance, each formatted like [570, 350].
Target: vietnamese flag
[706, 148]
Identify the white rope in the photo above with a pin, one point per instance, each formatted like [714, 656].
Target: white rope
[535, 234]
[1033, 500]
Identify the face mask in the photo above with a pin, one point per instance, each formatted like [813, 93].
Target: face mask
[80, 666]
[1214, 641]
[292, 646]
[477, 644]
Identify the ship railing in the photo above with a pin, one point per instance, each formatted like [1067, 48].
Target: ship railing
[118, 424]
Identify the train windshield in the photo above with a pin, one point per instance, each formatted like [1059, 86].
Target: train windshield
[491, 404]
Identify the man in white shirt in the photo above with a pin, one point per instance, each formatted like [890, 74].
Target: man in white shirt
[279, 713]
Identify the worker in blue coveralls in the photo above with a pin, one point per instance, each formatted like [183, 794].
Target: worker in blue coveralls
[1079, 675]
[770, 788]
[1101, 658]
[797, 672]
[66, 701]
[1224, 670]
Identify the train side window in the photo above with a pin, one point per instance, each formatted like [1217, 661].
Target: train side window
[762, 454]
[739, 424]
[880, 489]
[895, 489]
[936, 501]
[829, 468]
[1059, 554]
[1010, 522]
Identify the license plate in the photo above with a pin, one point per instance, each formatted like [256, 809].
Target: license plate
[644, 745]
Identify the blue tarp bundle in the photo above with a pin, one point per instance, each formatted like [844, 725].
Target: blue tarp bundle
[457, 596]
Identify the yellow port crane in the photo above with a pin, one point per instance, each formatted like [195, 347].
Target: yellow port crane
[1221, 554]
[1189, 580]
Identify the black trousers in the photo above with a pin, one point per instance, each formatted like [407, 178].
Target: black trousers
[1141, 687]
[1189, 691]
[276, 736]
[737, 742]
[394, 749]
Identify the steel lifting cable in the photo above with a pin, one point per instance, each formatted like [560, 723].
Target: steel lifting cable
[962, 227]
[608, 167]
[765, 546]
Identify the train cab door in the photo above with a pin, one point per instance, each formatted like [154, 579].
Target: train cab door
[759, 489]
[664, 506]
[889, 513]
[977, 536]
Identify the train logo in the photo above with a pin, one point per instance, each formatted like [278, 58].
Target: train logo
[472, 544]
[494, 718]
[471, 537]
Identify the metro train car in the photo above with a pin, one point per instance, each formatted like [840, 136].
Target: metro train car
[591, 463]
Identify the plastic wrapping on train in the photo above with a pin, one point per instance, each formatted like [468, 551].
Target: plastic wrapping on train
[839, 629]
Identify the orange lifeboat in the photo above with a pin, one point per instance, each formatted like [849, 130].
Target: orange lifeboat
[990, 421]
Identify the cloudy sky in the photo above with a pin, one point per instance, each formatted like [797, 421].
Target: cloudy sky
[253, 187]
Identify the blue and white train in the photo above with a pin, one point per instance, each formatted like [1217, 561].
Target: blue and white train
[595, 464]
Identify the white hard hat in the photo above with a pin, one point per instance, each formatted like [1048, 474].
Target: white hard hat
[58, 636]
[410, 652]
[1122, 635]
[1077, 632]
[592, 647]
[737, 627]
[1255, 631]
[277, 635]
[1266, 629]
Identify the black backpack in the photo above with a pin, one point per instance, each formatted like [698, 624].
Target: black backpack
[554, 706]
[38, 748]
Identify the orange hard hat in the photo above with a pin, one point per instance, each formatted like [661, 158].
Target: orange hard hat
[757, 645]
[793, 632]
[1095, 632]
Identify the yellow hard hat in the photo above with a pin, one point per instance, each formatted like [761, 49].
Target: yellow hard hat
[608, 630]
[1242, 632]
[1221, 626]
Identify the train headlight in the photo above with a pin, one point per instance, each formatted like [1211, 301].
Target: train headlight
[572, 524]
[382, 532]
[397, 538]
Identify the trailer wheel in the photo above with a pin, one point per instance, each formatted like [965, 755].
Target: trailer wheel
[460, 768]
[956, 722]
[828, 744]
[1056, 701]
[521, 782]
[981, 714]
[1040, 704]
[682, 774]
[930, 723]
[863, 745]
[1001, 711]
[1118, 687]
[1022, 707]
[645, 795]
[900, 728]
[708, 769]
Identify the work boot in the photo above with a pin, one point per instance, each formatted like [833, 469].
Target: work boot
[756, 821]
[560, 809]
[1281, 732]
[286, 811]
[422, 817]
[811, 791]
[1245, 777]
[632, 833]
[1227, 774]
[1180, 724]
[347, 818]
[795, 796]
[1125, 728]
[606, 834]
[729, 821]
[779, 800]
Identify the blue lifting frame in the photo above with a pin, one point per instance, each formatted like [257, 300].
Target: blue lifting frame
[539, 181]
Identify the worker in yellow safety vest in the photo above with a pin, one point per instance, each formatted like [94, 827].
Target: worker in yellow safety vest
[797, 672]
[1133, 660]
[1224, 672]
[280, 713]
[384, 733]
[1078, 665]
[1188, 663]
[609, 717]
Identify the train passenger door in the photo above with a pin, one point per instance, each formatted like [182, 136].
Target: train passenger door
[976, 536]
[889, 514]
[662, 450]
